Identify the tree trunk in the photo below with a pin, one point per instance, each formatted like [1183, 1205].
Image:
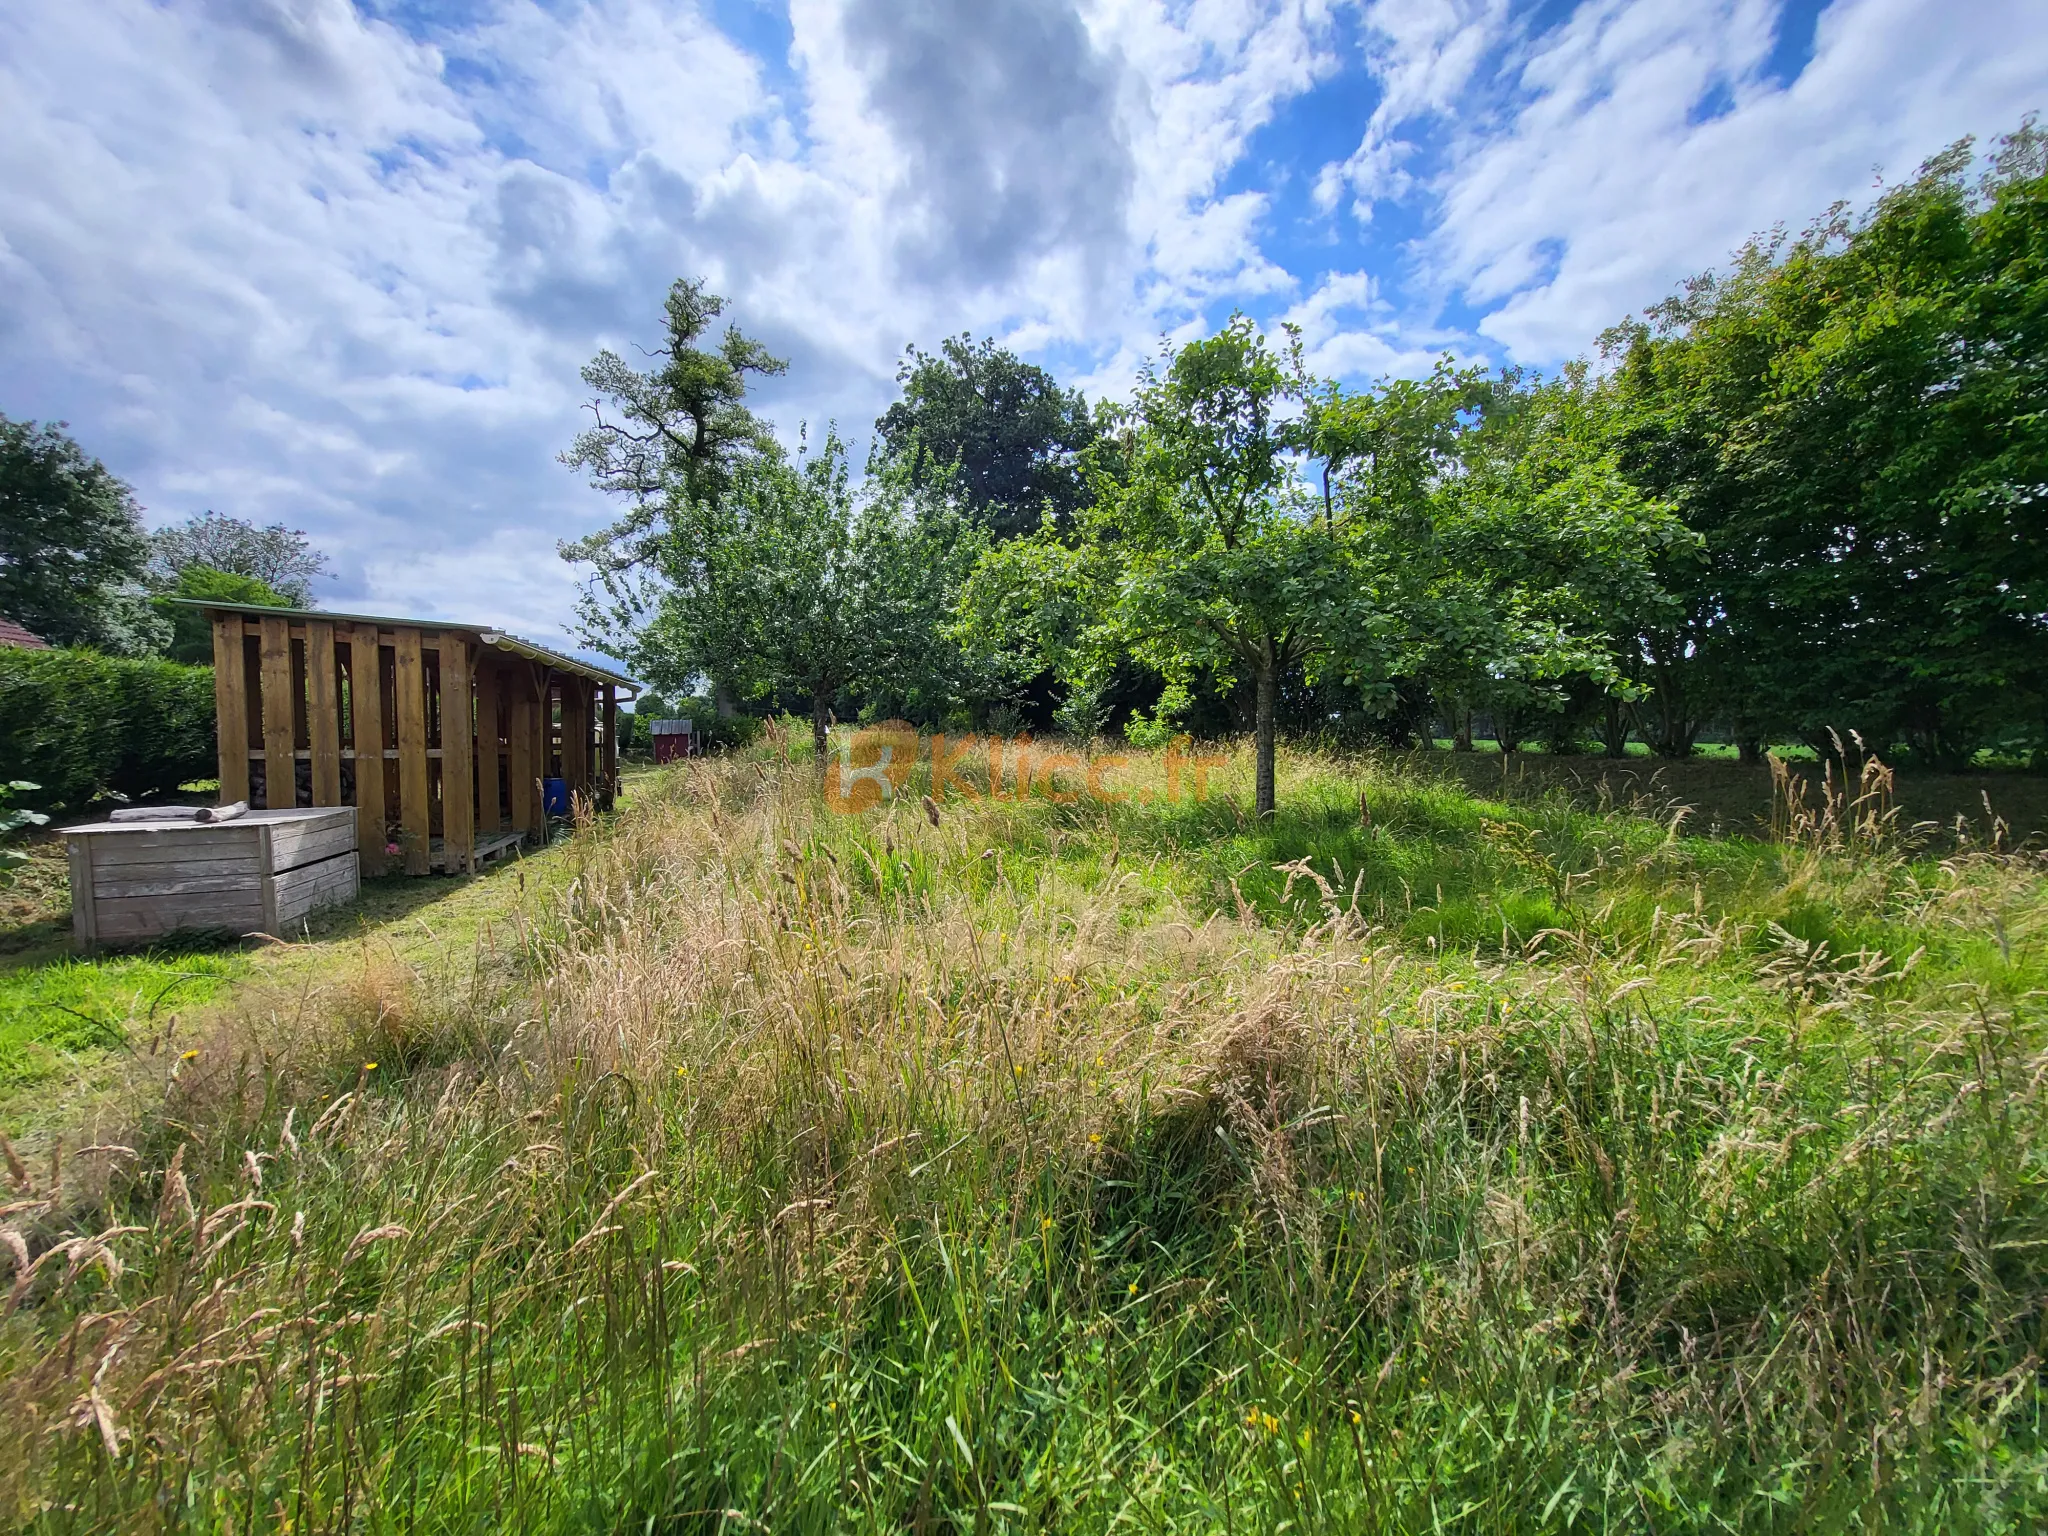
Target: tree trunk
[1749, 750]
[1265, 710]
[821, 725]
[1507, 731]
[1614, 728]
[1461, 728]
[721, 701]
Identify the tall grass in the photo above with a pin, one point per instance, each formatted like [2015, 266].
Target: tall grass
[1441, 1165]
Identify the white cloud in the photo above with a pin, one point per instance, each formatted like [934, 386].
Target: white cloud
[1640, 142]
[1349, 330]
[285, 259]
[282, 259]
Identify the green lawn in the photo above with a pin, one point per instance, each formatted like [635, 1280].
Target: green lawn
[57, 1015]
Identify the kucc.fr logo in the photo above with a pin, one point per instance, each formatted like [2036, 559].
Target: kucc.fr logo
[875, 764]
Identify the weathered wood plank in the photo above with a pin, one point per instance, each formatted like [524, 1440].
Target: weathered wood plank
[488, 733]
[550, 736]
[413, 807]
[313, 886]
[575, 736]
[366, 717]
[519, 767]
[323, 712]
[458, 754]
[230, 707]
[242, 869]
[608, 793]
[267, 892]
[280, 779]
[84, 919]
[144, 841]
[173, 880]
[307, 842]
[148, 917]
[549, 757]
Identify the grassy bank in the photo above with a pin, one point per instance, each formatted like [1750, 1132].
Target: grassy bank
[1433, 1162]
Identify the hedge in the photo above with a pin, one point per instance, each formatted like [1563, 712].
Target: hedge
[83, 726]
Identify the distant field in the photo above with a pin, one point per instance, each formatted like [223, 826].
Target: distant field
[1726, 797]
[1422, 1160]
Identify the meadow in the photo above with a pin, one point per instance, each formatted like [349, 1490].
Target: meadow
[1415, 1161]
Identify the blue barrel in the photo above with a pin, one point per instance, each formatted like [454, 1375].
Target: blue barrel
[554, 797]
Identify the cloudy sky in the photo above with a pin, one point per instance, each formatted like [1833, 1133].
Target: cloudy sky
[338, 264]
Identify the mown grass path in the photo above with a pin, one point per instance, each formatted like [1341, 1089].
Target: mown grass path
[80, 1032]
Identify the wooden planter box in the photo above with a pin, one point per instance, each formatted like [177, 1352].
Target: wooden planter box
[264, 872]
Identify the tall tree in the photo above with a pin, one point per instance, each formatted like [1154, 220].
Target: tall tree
[1012, 437]
[1857, 423]
[1206, 555]
[282, 559]
[808, 584]
[1543, 559]
[671, 441]
[191, 630]
[1387, 448]
[72, 548]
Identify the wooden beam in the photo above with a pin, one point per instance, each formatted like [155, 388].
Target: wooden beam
[543, 739]
[230, 708]
[458, 758]
[487, 818]
[84, 901]
[519, 767]
[366, 719]
[280, 778]
[323, 712]
[586, 736]
[567, 750]
[414, 810]
[252, 689]
[610, 790]
[587, 694]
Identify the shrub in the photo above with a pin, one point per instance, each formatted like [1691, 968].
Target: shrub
[727, 734]
[83, 725]
[191, 628]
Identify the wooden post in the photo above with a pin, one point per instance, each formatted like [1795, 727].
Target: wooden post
[230, 707]
[366, 716]
[610, 791]
[84, 913]
[323, 712]
[572, 781]
[488, 818]
[413, 809]
[586, 735]
[458, 758]
[586, 694]
[280, 771]
[544, 739]
[519, 766]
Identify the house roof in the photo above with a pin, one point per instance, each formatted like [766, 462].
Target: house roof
[13, 634]
[486, 634]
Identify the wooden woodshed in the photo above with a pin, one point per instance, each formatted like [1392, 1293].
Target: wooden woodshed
[443, 736]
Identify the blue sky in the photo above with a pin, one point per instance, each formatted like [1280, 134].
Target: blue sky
[338, 264]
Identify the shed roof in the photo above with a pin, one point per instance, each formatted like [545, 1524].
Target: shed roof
[13, 634]
[486, 634]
